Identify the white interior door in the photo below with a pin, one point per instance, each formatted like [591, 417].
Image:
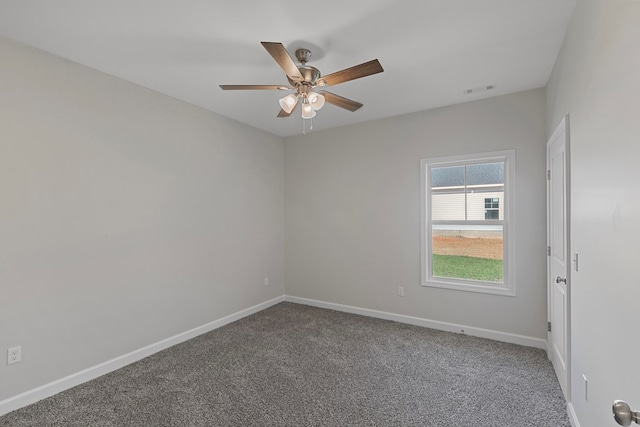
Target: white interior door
[558, 250]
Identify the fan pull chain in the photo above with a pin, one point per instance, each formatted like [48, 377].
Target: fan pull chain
[304, 125]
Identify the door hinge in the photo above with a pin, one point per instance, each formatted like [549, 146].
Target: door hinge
[548, 174]
[548, 250]
[548, 326]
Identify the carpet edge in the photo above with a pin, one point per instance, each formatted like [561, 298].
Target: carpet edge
[54, 387]
[427, 323]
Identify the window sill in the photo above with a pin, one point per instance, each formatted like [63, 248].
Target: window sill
[480, 287]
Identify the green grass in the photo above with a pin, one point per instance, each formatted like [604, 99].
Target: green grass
[464, 267]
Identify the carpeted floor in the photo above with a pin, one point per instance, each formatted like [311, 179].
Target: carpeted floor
[293, 365]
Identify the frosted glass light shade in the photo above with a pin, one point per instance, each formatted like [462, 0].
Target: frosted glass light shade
[308, 112]
[288, 103]
[316, 100]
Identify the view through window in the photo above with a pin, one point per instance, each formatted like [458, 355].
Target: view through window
[465, 222]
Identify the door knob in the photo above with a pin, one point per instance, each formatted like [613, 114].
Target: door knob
[623, 414]
[561, 279]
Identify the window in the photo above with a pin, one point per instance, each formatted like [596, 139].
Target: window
[491, 208]
[468, 222]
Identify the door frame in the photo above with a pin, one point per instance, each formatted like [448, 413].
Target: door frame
[563, 126]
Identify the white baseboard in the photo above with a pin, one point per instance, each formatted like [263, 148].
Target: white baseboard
[54, 387]
[57, 386]
[427, 323]
[573, 417]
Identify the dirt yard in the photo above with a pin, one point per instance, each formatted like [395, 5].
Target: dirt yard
[478, 247]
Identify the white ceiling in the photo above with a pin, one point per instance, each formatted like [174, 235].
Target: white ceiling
[431, 50]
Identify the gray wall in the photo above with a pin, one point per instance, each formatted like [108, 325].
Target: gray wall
[126, 216]
[352, 212]
[596, 80]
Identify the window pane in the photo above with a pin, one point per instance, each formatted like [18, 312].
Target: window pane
[485, 174]
[491, 203]
[447, 189]
[473, 252]
[447, 207]
[491, 214]
[478, 203]
[450, 176]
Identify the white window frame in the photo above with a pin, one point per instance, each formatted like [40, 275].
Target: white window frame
[508, 287]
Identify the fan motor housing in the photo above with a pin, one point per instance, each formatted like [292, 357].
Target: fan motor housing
[310, 75]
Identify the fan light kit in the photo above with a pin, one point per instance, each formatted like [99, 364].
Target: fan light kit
[304, 79]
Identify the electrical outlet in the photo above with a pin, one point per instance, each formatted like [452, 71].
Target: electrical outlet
[266, 281]
[14, 355]
[400, 291]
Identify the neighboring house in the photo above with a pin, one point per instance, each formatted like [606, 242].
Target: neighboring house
[471, 193]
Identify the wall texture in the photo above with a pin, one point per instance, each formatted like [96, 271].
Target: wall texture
[595, 80]
[126, 216]
[352, 212]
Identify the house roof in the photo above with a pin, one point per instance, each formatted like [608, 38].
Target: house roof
[481, 174]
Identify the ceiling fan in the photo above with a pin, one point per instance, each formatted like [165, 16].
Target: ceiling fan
[303, 79]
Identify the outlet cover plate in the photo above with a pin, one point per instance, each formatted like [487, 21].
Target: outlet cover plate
[14, 355]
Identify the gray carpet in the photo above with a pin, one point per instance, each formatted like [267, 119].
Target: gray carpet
[293, 365]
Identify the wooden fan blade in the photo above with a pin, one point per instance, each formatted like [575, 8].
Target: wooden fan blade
[283, 59]
[283, 113]
[352, 73]
[254, 87]
[340, 101]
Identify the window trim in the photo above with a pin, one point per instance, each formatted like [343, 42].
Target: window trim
[508, 287]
